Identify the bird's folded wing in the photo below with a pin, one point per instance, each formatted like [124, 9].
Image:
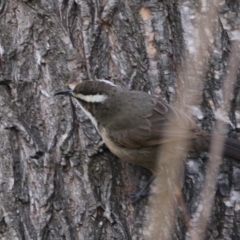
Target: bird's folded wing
[162, 124]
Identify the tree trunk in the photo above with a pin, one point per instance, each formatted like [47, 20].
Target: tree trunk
[57, 181]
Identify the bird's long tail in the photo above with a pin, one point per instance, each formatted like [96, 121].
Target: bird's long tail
[232, 148]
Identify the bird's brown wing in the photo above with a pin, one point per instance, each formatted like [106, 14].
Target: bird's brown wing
[161, 124]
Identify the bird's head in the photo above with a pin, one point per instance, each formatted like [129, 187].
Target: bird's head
[90, 91]
[92, 97]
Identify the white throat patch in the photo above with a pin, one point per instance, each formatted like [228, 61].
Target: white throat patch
[98, 98]
[88, 114]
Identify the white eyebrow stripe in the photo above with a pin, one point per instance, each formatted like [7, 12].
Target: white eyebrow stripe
[106, 81]
[91, 98]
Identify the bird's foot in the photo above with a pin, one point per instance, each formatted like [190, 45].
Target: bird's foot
[144, 192]
[135, 197]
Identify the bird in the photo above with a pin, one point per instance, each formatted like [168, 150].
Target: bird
[134, 124]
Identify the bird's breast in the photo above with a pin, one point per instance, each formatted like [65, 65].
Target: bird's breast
[110, 144]
[143, 156]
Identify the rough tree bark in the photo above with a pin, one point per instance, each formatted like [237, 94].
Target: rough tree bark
[56, 180]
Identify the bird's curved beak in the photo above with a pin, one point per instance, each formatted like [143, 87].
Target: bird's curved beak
[67, 92]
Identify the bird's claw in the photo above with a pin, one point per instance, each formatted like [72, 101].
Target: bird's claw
[135, 197]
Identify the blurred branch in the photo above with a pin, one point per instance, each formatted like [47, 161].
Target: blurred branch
[215, 159]
[167, 187]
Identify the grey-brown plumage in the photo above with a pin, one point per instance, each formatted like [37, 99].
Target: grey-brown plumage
[134, 124]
